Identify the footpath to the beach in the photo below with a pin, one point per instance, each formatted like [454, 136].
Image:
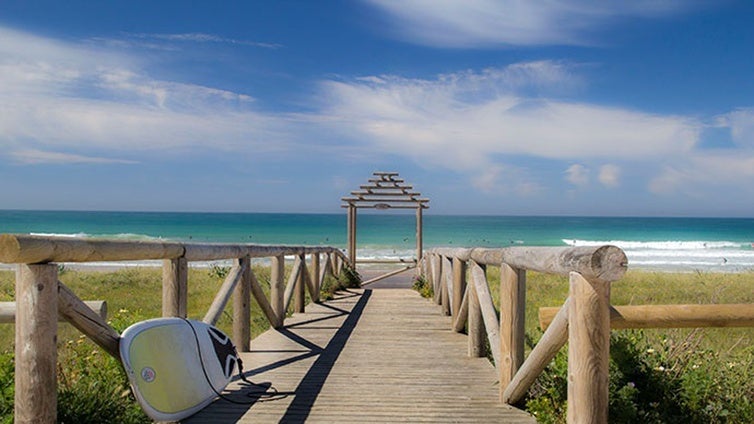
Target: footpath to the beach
[377, 354]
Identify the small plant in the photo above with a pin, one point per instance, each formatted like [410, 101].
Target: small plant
[673, 381]
[219, 271]
[348, 278]
[423, 286]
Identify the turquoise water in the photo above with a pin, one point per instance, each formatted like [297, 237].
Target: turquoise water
[723, 244]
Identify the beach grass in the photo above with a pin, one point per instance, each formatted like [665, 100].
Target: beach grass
[707, 374]
[92, 387]
[656, 375]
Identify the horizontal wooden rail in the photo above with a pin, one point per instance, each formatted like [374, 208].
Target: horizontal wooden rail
[670, 316]
[21, 248]
[606, 263]
[8, 310]
[41, 297]
[590, 269]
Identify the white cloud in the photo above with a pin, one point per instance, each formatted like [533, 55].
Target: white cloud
[707, 170]
[577, 174]
[64, 97]
[741, 123]
[609, 175]
[36, 157]
[472, 23]
[461, 120]
[200, 37]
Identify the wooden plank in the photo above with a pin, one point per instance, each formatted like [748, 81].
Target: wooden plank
[333, 367]
[671, 316]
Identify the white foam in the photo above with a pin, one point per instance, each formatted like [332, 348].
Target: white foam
[658, 245]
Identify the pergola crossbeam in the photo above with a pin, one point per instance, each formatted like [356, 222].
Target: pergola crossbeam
[385, 191]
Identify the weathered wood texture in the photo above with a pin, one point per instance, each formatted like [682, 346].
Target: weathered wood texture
[512, 316]
[548, 346]
[8, 310]
[175, 287]
[588, 350]
[383, 355]
[75, 311]
[671, 316]
[22, 248]
[606, 263]
[36, 350]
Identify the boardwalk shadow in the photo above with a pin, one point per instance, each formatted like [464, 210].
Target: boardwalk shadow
[309, 387]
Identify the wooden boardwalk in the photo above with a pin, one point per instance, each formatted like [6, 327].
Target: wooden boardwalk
[370, 355]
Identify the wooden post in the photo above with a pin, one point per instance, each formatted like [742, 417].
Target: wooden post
[459, 284]
[277, 288]
[445, 279]
[242, 308]
[352, 234]
[419, 233]
[476, 324]
[175, 287]
[36, 350]
[316, 278]
[436, 264]
[548, 346]
[512, 318]
[299, 292]
[588, 350]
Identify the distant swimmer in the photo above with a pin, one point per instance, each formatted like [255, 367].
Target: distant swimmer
[725, 260]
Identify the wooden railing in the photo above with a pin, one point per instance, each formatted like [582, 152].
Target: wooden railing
[40, 297]
[584, 320]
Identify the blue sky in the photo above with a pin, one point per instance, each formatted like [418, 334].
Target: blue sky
[488, 107]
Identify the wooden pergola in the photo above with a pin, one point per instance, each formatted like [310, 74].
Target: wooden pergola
[385, 190]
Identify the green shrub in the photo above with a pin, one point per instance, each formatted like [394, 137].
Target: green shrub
[423, 286]
[347, 279]
[670, 382]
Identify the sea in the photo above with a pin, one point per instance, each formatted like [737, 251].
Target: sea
[655, 244]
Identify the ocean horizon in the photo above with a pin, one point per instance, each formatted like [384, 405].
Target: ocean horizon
[667, 244]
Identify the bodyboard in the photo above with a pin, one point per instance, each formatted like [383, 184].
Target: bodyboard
[176, 366]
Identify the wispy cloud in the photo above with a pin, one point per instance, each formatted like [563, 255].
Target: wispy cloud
[482, 23]
[36, 157]
[609, 175]
[65, 96]
[200, 37]
[577, 174]
[468, 120]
